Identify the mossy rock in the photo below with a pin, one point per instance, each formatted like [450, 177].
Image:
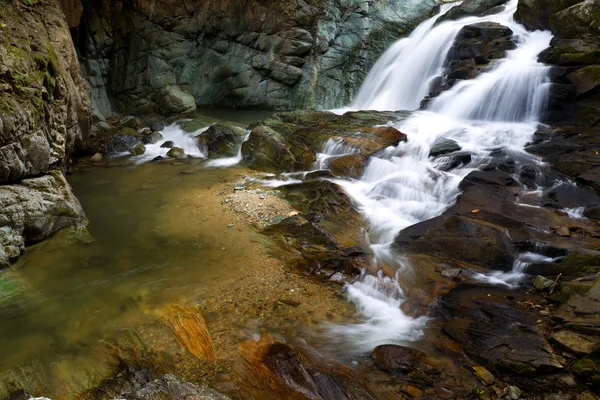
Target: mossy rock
[137, 150]
[130, 132]
[176, 152]
[577, 264]
[220, 141]
[588, 369]
[586, 79]
[568, 289]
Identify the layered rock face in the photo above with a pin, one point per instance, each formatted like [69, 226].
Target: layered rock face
[575, 50]
[45, 107]
[142, 55]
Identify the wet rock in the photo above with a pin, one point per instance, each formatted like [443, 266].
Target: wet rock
[118, 144]
[582, 312]
[461, 238]
[96, 158]
[513, 393]
[157, 127]
[563, 231]
[129, 132]
[535, 14]
[395, 358]
[169, 144]
[542, 283]
[290, 141]
[581, 262]
[176, 152]
[571, 152]
[220, 141]
[579, 19]
[281, 371]
[568, 195]
[592, 212]
[576, 343]
[492, 330]
[128, 122]
[350, 166]
[568, 289]
[170, 388]
[267, 150]
[173, 100]
[137, 150]
[152, 137]
[484, 376]
[33, 209]
[470, 7]
[588, 369]
[586, 78]
[443, 147]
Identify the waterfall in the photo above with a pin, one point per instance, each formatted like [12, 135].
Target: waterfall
[403, 185]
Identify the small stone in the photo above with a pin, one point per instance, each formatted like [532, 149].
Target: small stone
[158, 158]
[513, 393]
[137, 150]
[176, 152]
[262, 196]
[230, 225]
[542, 283]
[238, 186]
[169, 144]
[96, 158]
[157, 127]
[563, 231]
[484, 375]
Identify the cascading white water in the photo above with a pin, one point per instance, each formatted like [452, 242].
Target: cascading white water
[333, 149]
[403, 185]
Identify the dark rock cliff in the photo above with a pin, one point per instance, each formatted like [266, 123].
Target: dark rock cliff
[246, 54]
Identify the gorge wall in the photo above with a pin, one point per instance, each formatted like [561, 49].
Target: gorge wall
[45, 110]
[142, 56]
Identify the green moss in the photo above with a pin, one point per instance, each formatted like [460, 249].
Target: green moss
[578, 263]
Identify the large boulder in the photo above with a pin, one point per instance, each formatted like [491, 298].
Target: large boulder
[492, 328]
[471, 8]
[461, 238]
[33, 209]
[220, 141]
[582, 18]
[173, 100]
[291, 141]
[535, 14]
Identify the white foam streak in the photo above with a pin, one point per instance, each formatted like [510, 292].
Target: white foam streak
[185, 140]
[403, 185]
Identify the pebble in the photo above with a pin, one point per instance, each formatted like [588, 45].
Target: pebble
[262, 196]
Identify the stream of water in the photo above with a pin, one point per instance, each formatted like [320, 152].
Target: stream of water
[403, 185]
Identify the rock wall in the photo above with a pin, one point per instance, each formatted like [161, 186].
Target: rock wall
[575, 51]
[245, 53]
[44, 106]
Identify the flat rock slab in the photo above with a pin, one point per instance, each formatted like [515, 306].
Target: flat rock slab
[576, 343]
[494, 331]
[582, 312]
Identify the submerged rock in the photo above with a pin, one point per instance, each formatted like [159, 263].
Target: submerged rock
[170, 388]
[443, 147]
[391, 357]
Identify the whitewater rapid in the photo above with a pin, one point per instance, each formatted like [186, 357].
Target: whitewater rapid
[499, 110]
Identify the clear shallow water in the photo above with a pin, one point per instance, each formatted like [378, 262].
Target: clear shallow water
[160, 235]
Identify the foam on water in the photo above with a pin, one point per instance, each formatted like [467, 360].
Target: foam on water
[403, 185]
[174, 132]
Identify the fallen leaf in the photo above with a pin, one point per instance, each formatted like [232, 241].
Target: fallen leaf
[475, 211]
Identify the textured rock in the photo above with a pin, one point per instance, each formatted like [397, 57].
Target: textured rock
[44, 102]
[173, 100]
[535, 14]
[33, 209]
[220, 141]
[582, 18]
[170, 388]
[261, 54]
[390, 357]
[576, 343]
[471, 7]
[176, 152]
[493, 330]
